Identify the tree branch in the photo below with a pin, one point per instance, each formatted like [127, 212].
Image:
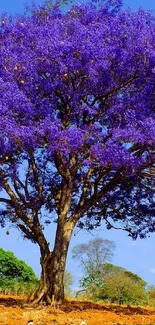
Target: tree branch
[66, 187]
[29, 234]
[21, 196]
[110, 92]
[24, 187]
[7, 201]
[80, 210]
[35, 174]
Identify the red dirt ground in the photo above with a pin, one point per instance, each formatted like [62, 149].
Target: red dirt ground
[73, 313]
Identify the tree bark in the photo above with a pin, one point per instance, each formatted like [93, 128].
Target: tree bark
[53, 268]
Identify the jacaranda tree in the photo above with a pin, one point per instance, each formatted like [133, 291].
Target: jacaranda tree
[77, 126]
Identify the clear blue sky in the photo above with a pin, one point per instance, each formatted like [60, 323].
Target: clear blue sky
[137, 256]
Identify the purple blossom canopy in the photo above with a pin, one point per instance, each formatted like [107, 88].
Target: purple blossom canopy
[77, 95]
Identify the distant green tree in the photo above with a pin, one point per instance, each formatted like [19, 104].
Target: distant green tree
[93, 257]
[151, 295]
[114, 284]
[15, 275]
[123, 287]
[94, 283]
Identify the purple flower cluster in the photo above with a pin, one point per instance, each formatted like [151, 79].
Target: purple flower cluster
[79, 86]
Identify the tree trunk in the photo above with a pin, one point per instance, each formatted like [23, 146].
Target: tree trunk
[53, 268]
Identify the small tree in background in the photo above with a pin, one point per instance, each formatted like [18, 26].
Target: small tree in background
[123, 287]
[93, 257]
[15, 275]
[151, 295]
[76, 126]
[104, 280]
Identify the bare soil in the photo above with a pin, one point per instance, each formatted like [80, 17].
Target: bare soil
[73, 313]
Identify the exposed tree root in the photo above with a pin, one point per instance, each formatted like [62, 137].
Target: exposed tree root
[38, 298]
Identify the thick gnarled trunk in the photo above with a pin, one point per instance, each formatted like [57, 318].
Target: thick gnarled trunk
[53, 268]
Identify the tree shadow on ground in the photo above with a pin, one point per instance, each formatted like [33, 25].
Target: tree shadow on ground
[69, 306]
[11, 301]
[125, 310]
